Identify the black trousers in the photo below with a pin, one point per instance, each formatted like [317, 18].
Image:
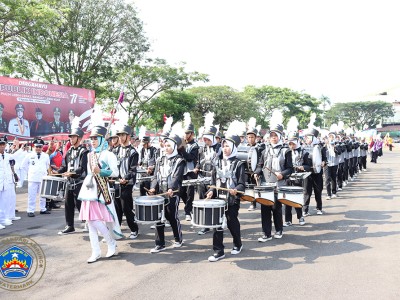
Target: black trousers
[233, 226]
[340, 175]
[374, 156]
[331, 180]
[346, 170]
[124, 206]
[70, 203]
[171, 214]
[314, 182]
[364, 162]
[351, 167]
[267, 212]
[355, 164]
[187, 193]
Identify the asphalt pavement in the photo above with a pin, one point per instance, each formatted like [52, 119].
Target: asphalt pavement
[350, 252]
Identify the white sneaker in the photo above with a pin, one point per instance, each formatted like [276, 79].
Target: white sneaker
[306, 214]
[167, 224]
[16, 218]
[93, 258]
[157, 249]
[236, 250]
[216, 257]
[344, 184]
[264, 239]
[319, 212]
[287, 224]
[302, 221]
[153, 227]
[188, 218]
[340, 189]
[251, 207]
[278, 234]
[328, 198]
[334, 196]
[2, 227]
[134, 235]
[177, 244]
[347, 182]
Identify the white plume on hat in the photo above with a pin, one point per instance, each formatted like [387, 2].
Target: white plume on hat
[142, 132]
[208, 120]
[167, 125]
[323, 132]
[75, 123]
[276, 119]
[96, 118]
[217, 126]
[349, 131]
[235, 128]
[259, 129]
[121, 118]
[178, 130]
[187, 120]
[312, 121]
[293, 124]
[251, 124]
[201, 131]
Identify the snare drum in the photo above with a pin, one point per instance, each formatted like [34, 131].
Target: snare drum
[291, 196]
[265, 194]
[248, 193]
[208, 213]
[53, 187]
[149, 208]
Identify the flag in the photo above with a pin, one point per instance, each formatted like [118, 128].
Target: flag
[121, 97]
[165, 118]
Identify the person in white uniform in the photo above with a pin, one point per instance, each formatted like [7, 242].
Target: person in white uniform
[37, 163]
[7, 186]
[19, 125]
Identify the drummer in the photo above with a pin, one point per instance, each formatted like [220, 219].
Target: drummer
[252, 133]
[75, 169]
[300, 164]
[234, 180]
[37, 164]
[147, 162]
[168, 180]
[276, 165]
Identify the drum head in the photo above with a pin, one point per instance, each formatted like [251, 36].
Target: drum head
[247, 198]
[265, 187]
[265, 202]
[291, 189]
[290, 203]
[149, 200]
[209, 203]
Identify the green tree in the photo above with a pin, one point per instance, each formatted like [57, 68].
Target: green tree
[359, 114]
[325, 102]
[224, 101]
[145, 82]
[171, 103]
[90, 43]
[291, 103]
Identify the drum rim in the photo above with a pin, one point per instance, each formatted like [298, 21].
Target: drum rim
[290, 189]
[55, 178]
[213, 203]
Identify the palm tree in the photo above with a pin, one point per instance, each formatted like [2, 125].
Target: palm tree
[325, 102]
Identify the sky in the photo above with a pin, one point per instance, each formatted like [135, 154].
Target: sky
[345, 50]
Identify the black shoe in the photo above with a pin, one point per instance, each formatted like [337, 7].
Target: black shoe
[216, 257]
[67, 230]
[31, 214]
[46, 212]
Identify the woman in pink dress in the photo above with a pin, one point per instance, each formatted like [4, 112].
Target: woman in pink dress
[97, 204]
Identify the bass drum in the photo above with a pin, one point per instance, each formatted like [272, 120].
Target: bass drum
[248, 154]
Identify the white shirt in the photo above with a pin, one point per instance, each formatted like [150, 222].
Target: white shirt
[6, 175]
[22, 130]
[37, 168]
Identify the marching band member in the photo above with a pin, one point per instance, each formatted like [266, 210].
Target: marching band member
[276, 165]
[252, 133]
[97, 206]
[191, 155]
[315, 180]
[230, 173]
[74, 169]
[340, 171]
[333, 152]
[37, 163]
[128, 159]
[147, 159]
[7, 186]
[363, 154]
[300, 165]
[168, 180]
[114, 140]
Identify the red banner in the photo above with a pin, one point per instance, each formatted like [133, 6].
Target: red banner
[29, 109]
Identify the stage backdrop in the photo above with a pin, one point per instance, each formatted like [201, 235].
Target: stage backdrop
[29, 108]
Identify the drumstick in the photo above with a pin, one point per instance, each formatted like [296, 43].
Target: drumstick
[223, 189]
[273, 172]
[163, 194]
